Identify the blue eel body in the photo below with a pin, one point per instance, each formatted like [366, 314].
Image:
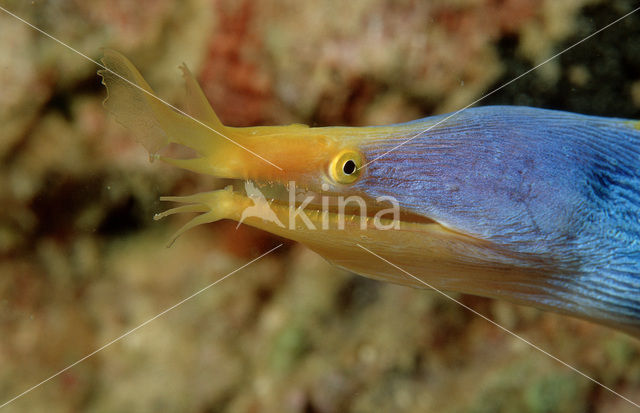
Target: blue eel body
[537, 206]
[557, 191]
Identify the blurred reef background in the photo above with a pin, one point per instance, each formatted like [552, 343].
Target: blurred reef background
[82, 262]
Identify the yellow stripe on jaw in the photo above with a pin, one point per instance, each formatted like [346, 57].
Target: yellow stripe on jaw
[337, 242]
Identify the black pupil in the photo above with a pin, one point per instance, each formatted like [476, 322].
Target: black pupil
[349, 167]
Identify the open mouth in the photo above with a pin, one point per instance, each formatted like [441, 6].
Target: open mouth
[294, 207]
[352, 206]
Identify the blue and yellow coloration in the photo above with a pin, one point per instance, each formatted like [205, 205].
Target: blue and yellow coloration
[534, 206]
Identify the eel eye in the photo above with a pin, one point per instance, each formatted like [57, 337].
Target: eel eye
[345, 167]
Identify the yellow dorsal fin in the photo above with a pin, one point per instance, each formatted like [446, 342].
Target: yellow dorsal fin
[197, 103]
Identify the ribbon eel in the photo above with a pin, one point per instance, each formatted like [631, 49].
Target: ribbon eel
[539, 207]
